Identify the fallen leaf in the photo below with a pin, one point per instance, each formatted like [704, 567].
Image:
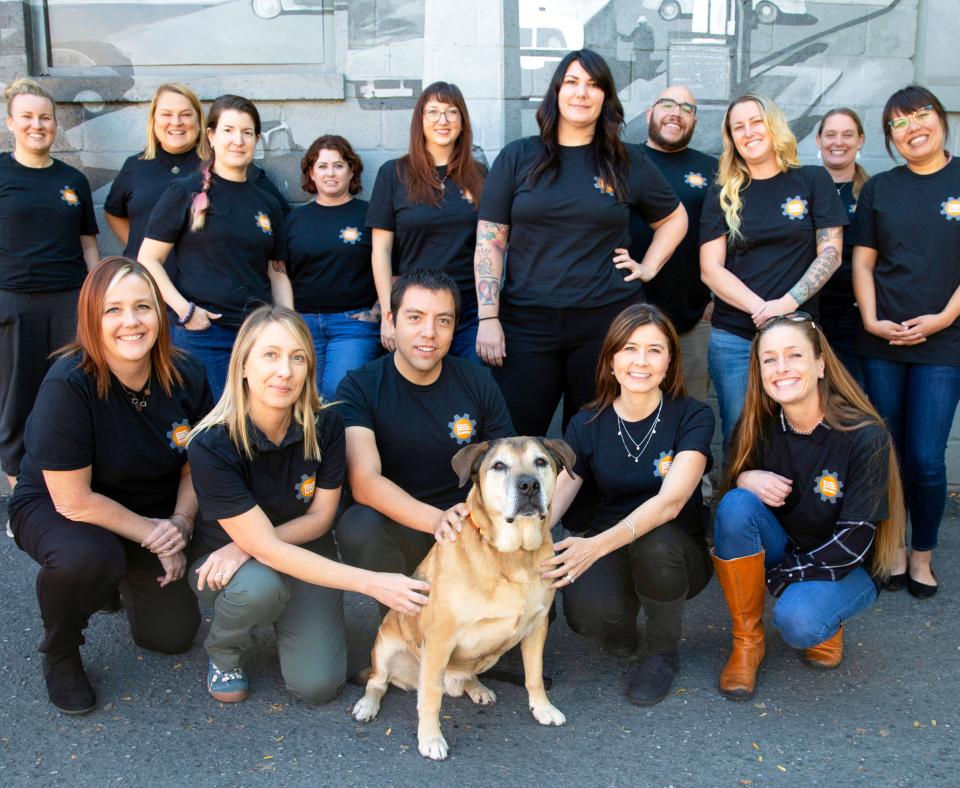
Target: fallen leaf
[781, 768]
[125, 697]
[278, 738]
[884, 733]
[389, 731]
[756, 746]
[933, 723]
[178, 666]
[759, 759]
[746, 782]
[268, 757]
[762, 714]
[680, 690]
[275, 707]
[859, 730]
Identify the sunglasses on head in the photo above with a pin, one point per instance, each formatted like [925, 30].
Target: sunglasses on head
[790, 317]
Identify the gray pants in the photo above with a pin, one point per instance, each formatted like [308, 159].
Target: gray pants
[307, 618]
[693, 346]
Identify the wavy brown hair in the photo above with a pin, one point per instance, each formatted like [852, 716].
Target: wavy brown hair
[845, 408]
[336, 143]
[418, 171]
[607, 388]
[860, 175]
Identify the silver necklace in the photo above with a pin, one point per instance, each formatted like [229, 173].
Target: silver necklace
[638, 446]
[795, 431]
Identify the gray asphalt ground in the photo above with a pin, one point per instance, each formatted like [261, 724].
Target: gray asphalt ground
[887, 716]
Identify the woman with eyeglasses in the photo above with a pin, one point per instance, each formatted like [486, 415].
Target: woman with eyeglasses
[771, 235]
[557, 206]
[812, 505]
[423, 209]
[906, 275]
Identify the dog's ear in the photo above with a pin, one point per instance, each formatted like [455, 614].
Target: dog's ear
[468, 460]
[562, 454]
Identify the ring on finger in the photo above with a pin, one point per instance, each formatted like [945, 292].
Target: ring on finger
[569, 578]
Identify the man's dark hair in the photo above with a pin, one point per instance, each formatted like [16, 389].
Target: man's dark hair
[428, 279]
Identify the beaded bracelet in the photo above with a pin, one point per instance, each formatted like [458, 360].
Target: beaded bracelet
[191, 308]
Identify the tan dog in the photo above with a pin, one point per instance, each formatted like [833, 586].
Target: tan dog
[486, 593]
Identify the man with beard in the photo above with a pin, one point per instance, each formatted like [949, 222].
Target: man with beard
[677, 288]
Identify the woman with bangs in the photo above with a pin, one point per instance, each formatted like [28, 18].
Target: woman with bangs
[906, 275]
[423, 209]
[268, 465]
[771, 235]
[105, 497]
[558, 204]
[812, 505]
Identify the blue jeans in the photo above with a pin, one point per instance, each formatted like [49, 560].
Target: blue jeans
[212, 347]
[918, 402]
[808, 612]
[342, 343]
[728, 360]
[464, 343]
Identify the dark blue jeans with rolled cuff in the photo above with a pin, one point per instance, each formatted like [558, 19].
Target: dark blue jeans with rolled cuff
[918, 402]
[808, 612]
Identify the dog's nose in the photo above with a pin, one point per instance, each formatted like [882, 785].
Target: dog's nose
[528, 485]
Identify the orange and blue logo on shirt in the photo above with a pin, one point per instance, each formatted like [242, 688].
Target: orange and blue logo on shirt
[828, 486]
[69, 195]
[852, 208]
[950, 208]
[462, 428]
[178, 435]
[662, 464]
[695, 180]
[350, 235]
[468, 196]
[602, 186]
[264, 223]
[794, 208]
[305, 487]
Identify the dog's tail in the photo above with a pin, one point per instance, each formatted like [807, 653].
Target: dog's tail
[360, 678]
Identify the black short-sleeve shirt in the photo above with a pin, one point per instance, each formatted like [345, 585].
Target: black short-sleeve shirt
[837, 476]
[419, 428]
[563, 230]
[43, 213]
[135, 458]
[223, 267]
[836, 297]
[427, 236]
[913, 222]
[779, 220]
[624, 483]
[328, 257]
[279, 479]
[677, 289]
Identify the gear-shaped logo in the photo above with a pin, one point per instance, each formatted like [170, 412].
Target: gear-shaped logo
[794, 208]
[662, 464]
[462, 428]
[305, 487]
[828, 486]
[695, 180]
[179, 431]
[950, 208]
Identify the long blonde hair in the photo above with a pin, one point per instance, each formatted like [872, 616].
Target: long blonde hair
[845, 408]
[150, 150]
[233, 407]
[733, 175]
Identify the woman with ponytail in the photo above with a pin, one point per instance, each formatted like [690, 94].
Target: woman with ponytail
[812, 504]
[771, 234]
[228, 234]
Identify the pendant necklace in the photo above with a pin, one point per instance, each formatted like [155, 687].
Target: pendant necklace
[138, 398]
[638, 446]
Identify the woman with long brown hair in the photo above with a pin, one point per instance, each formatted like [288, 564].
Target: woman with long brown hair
[105, 496]
[813, 505]
[423, 209]
[644, 445]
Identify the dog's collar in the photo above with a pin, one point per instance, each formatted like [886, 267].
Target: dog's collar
[483, 534]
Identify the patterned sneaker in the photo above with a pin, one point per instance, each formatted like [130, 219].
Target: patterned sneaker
[227, 686]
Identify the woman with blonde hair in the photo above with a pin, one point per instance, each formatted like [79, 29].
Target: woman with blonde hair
[771, 233]
[268, 464]
[813, 505]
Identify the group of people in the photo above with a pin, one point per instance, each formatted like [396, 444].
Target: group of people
[257, 408]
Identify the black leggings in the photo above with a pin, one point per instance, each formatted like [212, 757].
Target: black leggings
[82, 565]
[373, 541]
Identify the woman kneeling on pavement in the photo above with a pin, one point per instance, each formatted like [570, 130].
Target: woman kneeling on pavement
[814, 504]
[645, 445]
[105, 496]
[268, 465]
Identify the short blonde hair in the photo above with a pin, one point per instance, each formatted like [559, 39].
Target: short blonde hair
[26, 87]
[150, 149]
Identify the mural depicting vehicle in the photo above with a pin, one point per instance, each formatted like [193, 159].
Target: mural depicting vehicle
[268, 9]
[767, 11]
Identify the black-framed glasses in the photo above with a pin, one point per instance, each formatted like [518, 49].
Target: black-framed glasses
[920, 116]
[451, 115]
[670, 105]
[790, 317]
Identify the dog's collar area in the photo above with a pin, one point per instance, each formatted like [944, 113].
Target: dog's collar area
[483, 534]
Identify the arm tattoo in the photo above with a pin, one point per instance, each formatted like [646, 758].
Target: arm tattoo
[488, 291]
[488, 260]
[279, 266]
[822, 268]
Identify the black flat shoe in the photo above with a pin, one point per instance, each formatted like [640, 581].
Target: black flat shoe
[653, 679]
[896, 582]
[67, 683]
[921, 590]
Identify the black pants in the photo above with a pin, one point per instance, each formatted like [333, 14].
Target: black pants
[666, 565]
[370, 540]
[82, 565]
[32, 326]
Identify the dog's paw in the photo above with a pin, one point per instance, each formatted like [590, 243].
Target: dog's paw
[366, 709]
[479, 693]
[434, 747]
[548, 714]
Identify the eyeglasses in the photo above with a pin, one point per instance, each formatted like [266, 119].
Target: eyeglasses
[451, 115]
[790, 317]
[920, 116]
[669, 104]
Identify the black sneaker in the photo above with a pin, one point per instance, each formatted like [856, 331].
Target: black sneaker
[653, 679]
[67, 683]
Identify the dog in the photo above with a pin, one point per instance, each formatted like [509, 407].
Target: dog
[486, 592]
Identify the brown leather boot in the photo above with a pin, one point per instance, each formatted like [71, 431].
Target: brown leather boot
[742, 581]
[826, 655]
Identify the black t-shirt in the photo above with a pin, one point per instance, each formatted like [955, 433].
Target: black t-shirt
[223, 267]
[419, 428]
[328, 257]
[677, 288]
[624, 483]
[563, 231]
[913, 221]
[836, 297]
[779, 220]
[43, 213]
[427, 236]
[837, 476]
[135, 458]
[279, 479]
